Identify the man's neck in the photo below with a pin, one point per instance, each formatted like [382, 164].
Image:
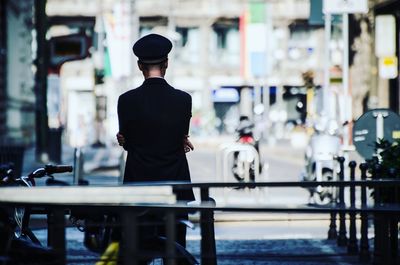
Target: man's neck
[153, 74]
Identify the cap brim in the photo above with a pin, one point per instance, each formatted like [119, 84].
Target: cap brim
[152, 61]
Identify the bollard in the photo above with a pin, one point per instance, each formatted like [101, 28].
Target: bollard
[364, 244]
[208, 247]
[78, 167]
[342, 239]
[352, 247]
[393, 228]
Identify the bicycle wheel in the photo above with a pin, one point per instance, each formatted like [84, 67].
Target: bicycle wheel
[157, 246]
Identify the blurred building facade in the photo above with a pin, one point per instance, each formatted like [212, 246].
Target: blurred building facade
[209, 53]
[17, 86]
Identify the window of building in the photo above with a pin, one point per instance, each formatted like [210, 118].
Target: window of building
[225, 42]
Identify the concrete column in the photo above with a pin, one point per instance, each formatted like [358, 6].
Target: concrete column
[205, 29]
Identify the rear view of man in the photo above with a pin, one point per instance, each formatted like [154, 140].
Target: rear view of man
[154, 122]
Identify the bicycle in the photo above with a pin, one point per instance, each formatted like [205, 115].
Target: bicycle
[16, 219]
[99, 230]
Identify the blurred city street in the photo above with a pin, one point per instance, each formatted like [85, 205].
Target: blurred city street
[304, 92]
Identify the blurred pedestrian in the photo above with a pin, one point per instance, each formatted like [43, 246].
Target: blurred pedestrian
[154, 123]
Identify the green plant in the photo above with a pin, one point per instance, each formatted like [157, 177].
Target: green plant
[386, 164]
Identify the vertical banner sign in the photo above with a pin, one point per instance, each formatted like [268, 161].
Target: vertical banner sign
[256, 41]
[117, 26]
[316, 16]
[243, 48]
[385, 46]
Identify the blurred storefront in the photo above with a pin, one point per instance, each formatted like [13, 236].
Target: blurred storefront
[387, 25]
[17, 90]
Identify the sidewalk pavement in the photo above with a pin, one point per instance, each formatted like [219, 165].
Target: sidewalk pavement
[234, 251]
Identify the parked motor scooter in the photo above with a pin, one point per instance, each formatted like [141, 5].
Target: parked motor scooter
[245, 161]
[323, 147]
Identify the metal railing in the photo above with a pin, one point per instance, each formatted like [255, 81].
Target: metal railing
[385, 215]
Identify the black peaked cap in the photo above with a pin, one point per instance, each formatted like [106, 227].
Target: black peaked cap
[152, 48]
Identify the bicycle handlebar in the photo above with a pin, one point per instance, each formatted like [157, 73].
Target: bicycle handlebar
[50, 169]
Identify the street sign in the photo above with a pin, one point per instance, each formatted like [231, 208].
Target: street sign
[388, 67]
[345, 6]
[68, 48]
[374, 124]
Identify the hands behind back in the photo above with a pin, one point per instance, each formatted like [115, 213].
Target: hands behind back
[187, 145]
[120, 139]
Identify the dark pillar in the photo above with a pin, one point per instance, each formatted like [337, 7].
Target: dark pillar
[3, 68]
[352, 247]
[208, 247]
[42, 126]
[364, 244]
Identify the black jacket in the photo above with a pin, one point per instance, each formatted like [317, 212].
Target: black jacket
[154, 118]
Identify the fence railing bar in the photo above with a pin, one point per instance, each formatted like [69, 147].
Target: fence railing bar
[344, 183]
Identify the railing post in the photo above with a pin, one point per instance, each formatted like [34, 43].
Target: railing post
[364, 244]
[208, 247]
[128, 253]
[378, 221]
[342, 239]
[352, 247]
[332, 232]
[56, 234]
[170, 234]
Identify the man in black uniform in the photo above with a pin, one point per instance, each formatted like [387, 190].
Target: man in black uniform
[154, 122]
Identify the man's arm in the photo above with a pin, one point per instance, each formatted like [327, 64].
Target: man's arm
[120, 135]
[187, 145]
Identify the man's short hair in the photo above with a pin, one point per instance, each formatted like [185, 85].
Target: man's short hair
[147, 66]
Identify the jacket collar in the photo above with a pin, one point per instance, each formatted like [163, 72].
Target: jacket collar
[155, 80]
